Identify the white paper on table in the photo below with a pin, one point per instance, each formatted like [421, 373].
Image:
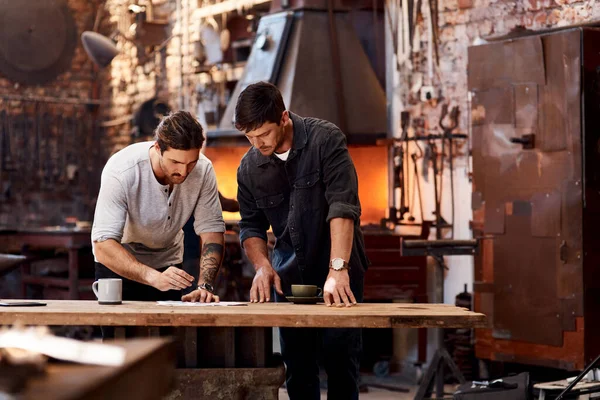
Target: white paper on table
[190, 304]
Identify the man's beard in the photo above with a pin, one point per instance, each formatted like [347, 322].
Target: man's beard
[176, 179]
[172, 179]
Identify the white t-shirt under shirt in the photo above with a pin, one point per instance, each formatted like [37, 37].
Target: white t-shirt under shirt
[283, 156]
[134, 209]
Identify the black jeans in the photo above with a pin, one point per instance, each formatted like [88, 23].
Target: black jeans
[340, 350]
[134, 291]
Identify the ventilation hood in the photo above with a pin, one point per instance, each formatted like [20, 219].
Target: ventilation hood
[293, 50]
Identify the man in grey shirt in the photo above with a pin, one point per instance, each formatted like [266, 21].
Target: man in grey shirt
[148, 192]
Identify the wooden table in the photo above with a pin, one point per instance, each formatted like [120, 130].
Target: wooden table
[148, 373]
[71, 239]
[137, 313]
[236, 341]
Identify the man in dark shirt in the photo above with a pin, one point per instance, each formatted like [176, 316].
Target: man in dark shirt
[299, 179]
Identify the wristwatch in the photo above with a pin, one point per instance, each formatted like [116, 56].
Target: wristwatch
[207, 286]
[338, 264]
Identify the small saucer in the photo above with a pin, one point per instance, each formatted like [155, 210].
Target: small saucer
[304, 300]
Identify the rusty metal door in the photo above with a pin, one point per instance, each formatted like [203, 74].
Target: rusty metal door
[527, 196]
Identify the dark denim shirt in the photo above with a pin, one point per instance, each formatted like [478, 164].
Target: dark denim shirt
[298, 198]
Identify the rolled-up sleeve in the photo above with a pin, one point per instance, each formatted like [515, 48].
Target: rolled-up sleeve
[111, 210]
[208, 215]
[339, 177]
[253, 222]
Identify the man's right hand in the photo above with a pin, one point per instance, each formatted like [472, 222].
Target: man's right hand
[261, 284]
[173, 278]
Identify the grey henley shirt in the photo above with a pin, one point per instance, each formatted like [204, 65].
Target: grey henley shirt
[134, 209]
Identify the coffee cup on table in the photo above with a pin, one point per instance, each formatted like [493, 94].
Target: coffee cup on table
[108, 291]
[306, 291]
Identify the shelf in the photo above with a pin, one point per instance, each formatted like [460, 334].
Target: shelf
[228, 73]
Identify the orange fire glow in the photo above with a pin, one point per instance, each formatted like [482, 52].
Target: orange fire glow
[371, 167]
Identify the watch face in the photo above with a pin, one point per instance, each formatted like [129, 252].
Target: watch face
[337, 263]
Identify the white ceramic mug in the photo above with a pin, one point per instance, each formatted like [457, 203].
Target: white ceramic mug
[108, 291]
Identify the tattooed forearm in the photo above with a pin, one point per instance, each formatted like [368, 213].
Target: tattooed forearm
[212, 254]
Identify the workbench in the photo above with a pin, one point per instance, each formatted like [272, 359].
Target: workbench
[231, 347]
[70, 239]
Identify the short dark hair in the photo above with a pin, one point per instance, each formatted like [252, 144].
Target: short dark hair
[259, 103]
[179, 131]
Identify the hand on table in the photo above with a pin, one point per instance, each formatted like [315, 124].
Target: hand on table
[261, 284]
[337, 289]
[200, 296]
[173, 278]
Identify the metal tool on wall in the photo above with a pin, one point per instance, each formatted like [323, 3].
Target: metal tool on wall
[447, 135]
[437, 156]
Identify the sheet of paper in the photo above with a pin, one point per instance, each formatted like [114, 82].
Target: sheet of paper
[190, 304]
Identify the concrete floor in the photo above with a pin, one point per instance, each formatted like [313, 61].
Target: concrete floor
[376, 393]
[373, 394]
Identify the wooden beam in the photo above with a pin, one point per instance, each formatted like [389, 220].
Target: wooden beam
[225, 6]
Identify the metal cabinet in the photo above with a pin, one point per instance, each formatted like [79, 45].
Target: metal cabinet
[535, 123]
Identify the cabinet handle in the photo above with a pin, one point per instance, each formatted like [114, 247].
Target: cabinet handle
[563, 252]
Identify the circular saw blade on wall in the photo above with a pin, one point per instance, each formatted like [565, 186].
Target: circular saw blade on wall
[37, 39]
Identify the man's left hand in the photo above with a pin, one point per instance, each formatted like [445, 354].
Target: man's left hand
[337, 289]
[200, 296]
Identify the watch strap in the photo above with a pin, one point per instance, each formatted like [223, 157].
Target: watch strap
[207, 286]
[344, 265]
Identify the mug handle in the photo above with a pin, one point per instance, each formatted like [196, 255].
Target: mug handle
[95, 288]
[319, 292]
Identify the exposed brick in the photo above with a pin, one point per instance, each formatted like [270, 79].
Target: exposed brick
[536, 5]
[566, 2]
[554, 18]
[447, 33]
[539, 20]
[454, 17]
[448, 5]
[463, 4]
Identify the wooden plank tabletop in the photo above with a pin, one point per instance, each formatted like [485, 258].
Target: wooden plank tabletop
[151, 361]
[132, 313]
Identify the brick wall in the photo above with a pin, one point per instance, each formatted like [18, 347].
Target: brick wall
[461, 23]
[50, 153]
[133, 82]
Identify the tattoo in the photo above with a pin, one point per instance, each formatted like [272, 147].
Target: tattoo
[212, 254]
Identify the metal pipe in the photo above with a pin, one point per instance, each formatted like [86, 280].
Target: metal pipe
[376, 37]
[390, 69]
[52, 99]
[186, 47]
[337, 69]
[579, 377]
[180, 99]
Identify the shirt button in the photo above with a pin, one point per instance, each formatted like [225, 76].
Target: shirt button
[168, 217]
[166, 190]
[169, 204]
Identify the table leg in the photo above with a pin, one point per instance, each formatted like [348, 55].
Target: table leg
[216, 347]
[73, 274]
[25, 271]
[187, 347]
[253, 347]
